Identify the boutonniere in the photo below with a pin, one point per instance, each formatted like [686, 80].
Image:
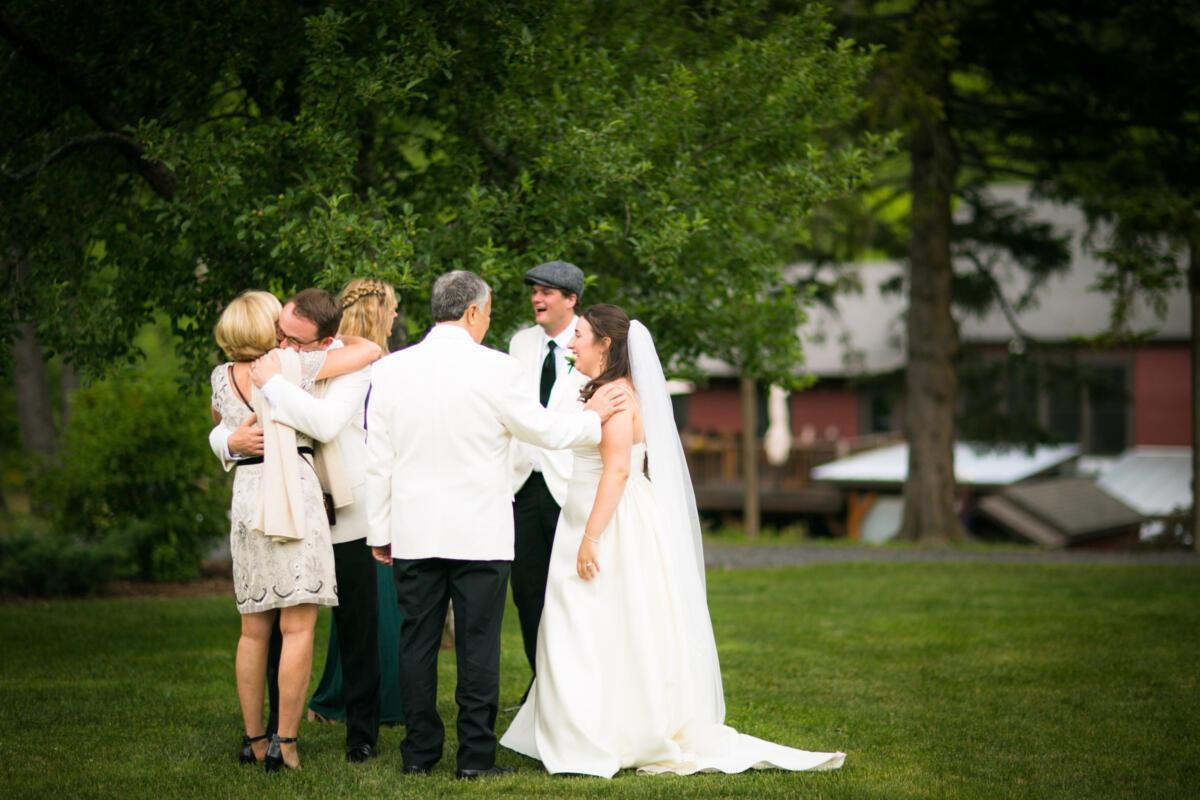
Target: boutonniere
[570, 363]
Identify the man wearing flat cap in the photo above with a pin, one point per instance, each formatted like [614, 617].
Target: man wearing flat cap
[540, 476]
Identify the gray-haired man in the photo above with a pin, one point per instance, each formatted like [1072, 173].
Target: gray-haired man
[441, 418]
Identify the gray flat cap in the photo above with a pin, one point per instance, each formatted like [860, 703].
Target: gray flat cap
[558, 274]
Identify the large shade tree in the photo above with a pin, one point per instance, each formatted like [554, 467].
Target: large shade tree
[163, 159]
[1121, 138]
[1090, 103]
[926, 85]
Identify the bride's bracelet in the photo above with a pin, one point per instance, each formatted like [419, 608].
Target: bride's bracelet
[590, 539]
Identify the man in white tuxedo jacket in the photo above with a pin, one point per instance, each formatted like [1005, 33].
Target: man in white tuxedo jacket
[440, 421]
[309, 322]
[540, 476]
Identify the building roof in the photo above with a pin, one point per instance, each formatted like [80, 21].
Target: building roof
[974, 465]
[1154, 481]
[1059, 511]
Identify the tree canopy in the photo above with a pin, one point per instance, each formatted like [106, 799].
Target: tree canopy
[165, 159]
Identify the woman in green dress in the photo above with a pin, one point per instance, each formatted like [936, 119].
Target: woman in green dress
[327, 703]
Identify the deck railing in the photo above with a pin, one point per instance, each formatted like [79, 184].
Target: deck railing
[715, 461]
[717, 458]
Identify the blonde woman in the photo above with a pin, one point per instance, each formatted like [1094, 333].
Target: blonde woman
[350, 687]
[272, 578]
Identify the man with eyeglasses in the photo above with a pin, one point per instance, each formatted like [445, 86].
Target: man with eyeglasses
[309, 321]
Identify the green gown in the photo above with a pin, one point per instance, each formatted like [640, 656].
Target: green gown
[327, 699]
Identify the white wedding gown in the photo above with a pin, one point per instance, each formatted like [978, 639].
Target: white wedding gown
[615, 686]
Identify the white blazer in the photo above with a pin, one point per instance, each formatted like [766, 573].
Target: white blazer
[440, 422]
[527, 346]
[339, 413]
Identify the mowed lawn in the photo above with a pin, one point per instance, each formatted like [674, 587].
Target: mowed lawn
[937, 680]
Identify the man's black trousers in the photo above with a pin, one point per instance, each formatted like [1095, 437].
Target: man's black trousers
[424, 588]
[535, 516]
[357, 616]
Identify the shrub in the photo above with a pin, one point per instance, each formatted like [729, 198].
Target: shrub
[135, 478]
[46, 565]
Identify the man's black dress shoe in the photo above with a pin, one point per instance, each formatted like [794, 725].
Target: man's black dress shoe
[490, 772]
[413, 769]
[359, 753]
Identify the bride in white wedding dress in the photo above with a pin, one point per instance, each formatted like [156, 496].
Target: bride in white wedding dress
[627, 672]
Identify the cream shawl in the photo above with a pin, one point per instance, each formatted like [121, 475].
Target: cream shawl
[280, 515]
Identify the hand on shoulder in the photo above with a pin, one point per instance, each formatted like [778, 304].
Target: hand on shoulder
[611, 399]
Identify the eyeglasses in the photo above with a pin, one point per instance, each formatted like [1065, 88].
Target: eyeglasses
[292, 341]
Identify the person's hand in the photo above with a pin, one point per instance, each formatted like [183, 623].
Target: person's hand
[247, 440]
[264, 368]
[608, 401]
[587, 563]
[382, 554]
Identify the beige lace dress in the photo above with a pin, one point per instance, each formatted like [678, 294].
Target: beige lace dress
[268, 574]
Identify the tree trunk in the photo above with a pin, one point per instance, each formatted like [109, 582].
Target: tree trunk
[34, 409]
[751, 513]
[35, 413]
[932, 344]
[1194, 294]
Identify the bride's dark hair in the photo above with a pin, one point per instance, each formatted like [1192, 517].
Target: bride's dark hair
[612, 323]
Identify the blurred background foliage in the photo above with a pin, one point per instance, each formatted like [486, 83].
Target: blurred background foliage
[157, 161]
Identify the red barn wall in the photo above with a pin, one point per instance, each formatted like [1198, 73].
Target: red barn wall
[717, 409]
[826, 408]
[1162, 395]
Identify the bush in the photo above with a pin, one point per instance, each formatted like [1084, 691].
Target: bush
[46, 565]
[135, 479]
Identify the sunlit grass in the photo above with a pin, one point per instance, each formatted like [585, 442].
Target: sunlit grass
[937, 680]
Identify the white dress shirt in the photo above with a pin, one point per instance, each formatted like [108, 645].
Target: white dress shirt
[529, 347]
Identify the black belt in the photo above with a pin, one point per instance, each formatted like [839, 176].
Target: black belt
[245, 462]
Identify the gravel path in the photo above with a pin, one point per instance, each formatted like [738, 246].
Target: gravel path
[744, 556]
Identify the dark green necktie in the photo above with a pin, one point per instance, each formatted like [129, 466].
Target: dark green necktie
[548, 373]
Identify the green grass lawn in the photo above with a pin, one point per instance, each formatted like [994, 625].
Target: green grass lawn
[937, 680]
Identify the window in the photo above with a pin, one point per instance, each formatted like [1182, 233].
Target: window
[1057, 394]
[1064, 407]
[1107, 409]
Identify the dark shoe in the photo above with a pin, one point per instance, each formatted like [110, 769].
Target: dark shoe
[273, 762]
[413, 769]
[247, 754]
[359, 753]
[490, 772]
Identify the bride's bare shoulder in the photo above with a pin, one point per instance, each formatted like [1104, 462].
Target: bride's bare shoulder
[627, 385]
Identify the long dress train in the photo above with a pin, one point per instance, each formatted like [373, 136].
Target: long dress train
[617, 686]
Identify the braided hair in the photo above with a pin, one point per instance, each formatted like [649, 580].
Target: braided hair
[366, 304]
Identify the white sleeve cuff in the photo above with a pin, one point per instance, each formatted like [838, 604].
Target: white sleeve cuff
[221, 436]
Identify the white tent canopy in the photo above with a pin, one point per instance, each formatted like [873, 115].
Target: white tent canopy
[974, 465]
